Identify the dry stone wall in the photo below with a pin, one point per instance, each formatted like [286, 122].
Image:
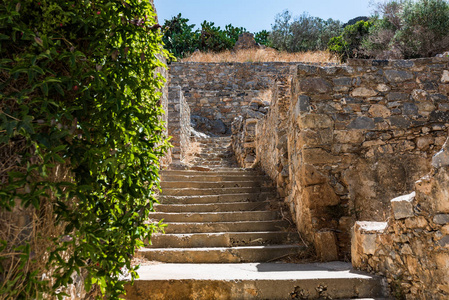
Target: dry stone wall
[167, 159]
[223, 91]
[357, 136]
[412, 248]
[365, 132]
[178, 123]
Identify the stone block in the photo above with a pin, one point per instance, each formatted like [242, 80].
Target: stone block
[399, 121]
[363, 92]
[326, 246]
[309, 175]
[398, 96]
[348, 136]
[445, 77]
[442, 264]
[302, 105]
[441, 219]
[441, 159]
[315, 121]
[403, 206]
[420, 95]
[362, 123]
[379, 111]
[342, 81]
[364, 240]
[444, 89]
[315, 85]
[320, 195]
[410, 109]
[319, 156]
[424, 142]
[417, 222]
[398, 76]
[383, 87]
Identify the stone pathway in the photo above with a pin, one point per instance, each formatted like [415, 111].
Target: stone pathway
[228, 237]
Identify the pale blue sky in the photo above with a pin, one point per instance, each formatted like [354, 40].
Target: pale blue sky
[256, 15]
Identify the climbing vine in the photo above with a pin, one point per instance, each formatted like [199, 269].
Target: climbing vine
[80, 116]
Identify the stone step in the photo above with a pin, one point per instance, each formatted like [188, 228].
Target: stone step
[221, 172]
[225, 198]
[213, 191]
[221, 254]
[217, 217]
[223, 239]
[242, 226]
[336, 280]
[213, 207]
[211, 184]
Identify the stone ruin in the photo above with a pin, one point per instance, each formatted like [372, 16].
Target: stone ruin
[344, 144]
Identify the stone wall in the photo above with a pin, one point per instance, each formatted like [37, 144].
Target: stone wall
[221, 91]
[412, 248]
[167, 159]
[357, 136]
[178, 123]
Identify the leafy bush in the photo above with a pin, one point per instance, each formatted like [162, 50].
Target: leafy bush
[77, 90]
[179, 37]
[409, 29]
[348, 44]
[304, 33]
[261, 37]
[181, 40]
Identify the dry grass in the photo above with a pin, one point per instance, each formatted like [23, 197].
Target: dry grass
[262, 55]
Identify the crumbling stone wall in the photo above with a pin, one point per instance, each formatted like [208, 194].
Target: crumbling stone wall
[412, 248]
[365, 132]
[222, 91]
[357, 136]
[178, 123]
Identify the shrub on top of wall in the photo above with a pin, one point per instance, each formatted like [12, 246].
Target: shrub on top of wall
[78, 92]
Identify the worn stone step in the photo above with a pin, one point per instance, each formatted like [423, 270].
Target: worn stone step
[241, 226]
[225, 198]
[214, 207]
[221, 254]
[217, 216]
[221, 172]
[217, 184]
[336, 280]
[213, 191]
[223, 239]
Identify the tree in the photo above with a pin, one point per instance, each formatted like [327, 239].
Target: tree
[348, 44]
[262, 37]
[179, 37]
[303, 33]
[409, 29]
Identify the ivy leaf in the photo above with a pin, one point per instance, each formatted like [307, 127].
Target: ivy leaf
[39, 41]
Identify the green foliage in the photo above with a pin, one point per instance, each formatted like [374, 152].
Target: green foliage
[181, 40]
[409, 29]
[304, 33]
[179, 37]
[212, 38]
[261, 37]
[77, 86]
[348, 44]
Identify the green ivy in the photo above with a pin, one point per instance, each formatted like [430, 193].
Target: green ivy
[78, 85]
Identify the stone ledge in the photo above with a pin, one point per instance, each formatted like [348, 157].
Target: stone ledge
[403, 206]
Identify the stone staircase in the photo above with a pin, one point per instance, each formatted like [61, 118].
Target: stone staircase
[228, 236]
